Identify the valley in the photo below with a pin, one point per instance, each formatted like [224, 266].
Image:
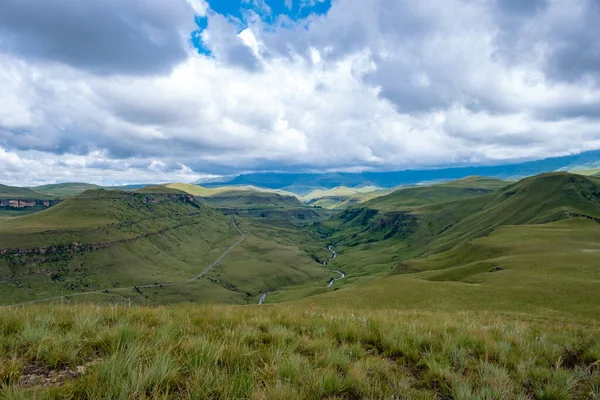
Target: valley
[419, 290]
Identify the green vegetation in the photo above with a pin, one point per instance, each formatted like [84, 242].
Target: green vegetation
[109, 239]
[17, 201]
[340, 191]
[63, 190]
[158, 189]
[21, 193]
[200, 191]
[413, 197]
[291, 352]
[343, 197]
[111, 245]
[247, 199]
[473, 289]
[548, 270]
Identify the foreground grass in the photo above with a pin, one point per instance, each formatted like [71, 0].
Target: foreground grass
[291, 352]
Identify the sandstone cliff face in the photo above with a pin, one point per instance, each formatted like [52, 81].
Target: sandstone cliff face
[26, 203]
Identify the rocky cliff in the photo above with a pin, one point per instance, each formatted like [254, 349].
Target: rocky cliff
[8, 203]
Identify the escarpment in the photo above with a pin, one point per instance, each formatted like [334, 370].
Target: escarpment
[23, 204]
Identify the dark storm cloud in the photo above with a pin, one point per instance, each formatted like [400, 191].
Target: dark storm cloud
[567, 31]
[577, 53]
[100, 36]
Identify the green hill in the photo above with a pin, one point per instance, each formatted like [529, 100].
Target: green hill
[540, 199]
[21, 193]
[104, 239]
[340, 191]
[198, 190]
[404, 232]
[16, 201]
[159, 189]
[493, 294]
[531, 247]
[248, 199]
[64, 189]
[113, 240]
[343, 197]
[413, 197]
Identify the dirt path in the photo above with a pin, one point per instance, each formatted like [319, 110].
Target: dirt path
[211, 266]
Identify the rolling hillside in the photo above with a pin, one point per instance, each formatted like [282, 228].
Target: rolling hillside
[200, 191]
[21, 193]
[447, 228]
[341, 191]
[107, 239]
[16, 201]
[64, 189]
[531, 247]
[414, 197]
[116, 243]
[249, 199]
[540, 199]
[343, 197]
[158, 189]
[490, 295]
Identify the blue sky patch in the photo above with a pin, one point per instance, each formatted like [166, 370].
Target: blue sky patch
[269, 12]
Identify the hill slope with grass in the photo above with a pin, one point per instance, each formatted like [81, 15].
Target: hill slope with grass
[292, 352]
[64, 189]
[201, 191]
[114, 241]
[413, 197]
[343, 197]
[108, 239]
[250, 199]
[159, 189]
[532, 243]
[21, 193]
[491, 296]
[16, 201]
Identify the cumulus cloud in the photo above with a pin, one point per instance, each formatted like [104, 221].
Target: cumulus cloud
[101, 36]
[114, 91]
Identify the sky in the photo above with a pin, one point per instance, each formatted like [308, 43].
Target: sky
[132, 91]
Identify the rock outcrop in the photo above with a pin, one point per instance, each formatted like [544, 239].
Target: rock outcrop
[27, 203]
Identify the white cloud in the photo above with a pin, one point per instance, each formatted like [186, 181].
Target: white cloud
[411, 84]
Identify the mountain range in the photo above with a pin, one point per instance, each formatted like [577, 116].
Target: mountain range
[304, 183]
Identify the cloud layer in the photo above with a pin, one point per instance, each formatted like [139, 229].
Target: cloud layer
[115, 92]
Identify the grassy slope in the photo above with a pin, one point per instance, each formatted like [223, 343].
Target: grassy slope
[450, 232]
[21, 193]
[291, 352]
[531, 330]
[339, 202]
[540, 199]
[274, 255]
[549, 270]
[247, 199]
[159, 189]
[168, 241]
[198, 190]
[339, 191]
[64, 189]
[410, 198]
